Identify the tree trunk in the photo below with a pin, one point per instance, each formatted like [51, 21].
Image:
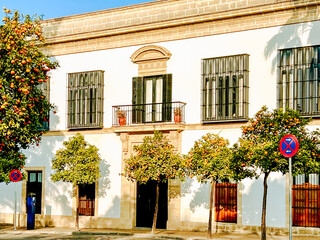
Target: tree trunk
[155, 215]
[77, 208]
[264, 206]
[210, 210]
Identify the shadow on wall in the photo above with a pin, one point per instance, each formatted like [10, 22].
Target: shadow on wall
[292, 36]
[104, 180]
[252, 194]
[200, 193]
[54, 118]
[114, 210]
[7, 196]
[58, 199]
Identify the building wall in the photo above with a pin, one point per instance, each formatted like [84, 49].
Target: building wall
[190, 31]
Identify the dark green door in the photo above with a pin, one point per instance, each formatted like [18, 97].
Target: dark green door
[146, 199]
[34, 188]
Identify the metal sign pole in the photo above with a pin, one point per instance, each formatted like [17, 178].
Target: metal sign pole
[290, 199]
[15, 176]
[15, 206]
[289, 146]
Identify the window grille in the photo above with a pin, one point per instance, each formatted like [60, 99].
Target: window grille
[85, 100]
[226, 202]
[306, 201]
[298, 80]
[225, 88]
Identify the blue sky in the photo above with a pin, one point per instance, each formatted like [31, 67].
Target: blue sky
[60, 8]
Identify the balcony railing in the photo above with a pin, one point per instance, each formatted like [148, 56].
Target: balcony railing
[172, 112]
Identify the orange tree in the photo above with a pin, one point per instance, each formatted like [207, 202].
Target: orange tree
[154, 160]
[23, 107]
[77, 163]
[257, 151]
[208, 161]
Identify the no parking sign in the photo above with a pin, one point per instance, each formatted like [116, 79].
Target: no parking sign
[15, 175]
[289, 145]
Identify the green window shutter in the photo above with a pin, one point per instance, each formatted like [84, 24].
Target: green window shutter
[137, 98]
[45, 88]
[167, 97]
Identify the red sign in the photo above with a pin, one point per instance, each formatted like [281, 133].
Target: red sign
[15, 175]
[289, 145]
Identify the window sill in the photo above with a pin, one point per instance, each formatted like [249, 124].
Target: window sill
[84, 128]
[244, 120]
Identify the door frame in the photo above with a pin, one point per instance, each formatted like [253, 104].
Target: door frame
[153, 205]
[40, 217]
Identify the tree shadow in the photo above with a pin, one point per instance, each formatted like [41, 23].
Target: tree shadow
[104, 180]
[201, 197]
[252, 194]
[116, 202]
[292, 35]
[199, 193]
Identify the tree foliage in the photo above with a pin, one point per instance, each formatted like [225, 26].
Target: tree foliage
[154, 159]
[77, 163]
[258, 148]
[257, 152]
[23, 107]
[208, 160]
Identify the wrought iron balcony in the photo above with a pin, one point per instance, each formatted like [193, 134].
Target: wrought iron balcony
[172, 112]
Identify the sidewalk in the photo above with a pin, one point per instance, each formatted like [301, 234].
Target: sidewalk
[143, 233]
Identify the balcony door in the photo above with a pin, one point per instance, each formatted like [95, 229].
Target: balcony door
[151, 99]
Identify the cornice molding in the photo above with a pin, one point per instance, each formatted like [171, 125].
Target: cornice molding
[172, 22]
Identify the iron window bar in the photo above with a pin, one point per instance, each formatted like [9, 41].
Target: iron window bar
[225, 88]
[299, 80]
[85, 100]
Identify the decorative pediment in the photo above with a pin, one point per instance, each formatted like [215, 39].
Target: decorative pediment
[150, 53]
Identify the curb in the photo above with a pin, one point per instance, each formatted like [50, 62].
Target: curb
[141, 235]
[102, 233]
[35, 232]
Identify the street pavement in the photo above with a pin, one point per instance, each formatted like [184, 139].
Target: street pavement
[8, 233]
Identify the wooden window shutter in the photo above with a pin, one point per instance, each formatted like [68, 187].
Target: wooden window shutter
[137, 99]
[167, 97]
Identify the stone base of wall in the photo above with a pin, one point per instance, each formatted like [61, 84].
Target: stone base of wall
[224, 227]
[232, 227]
[117, 223]
[66, 221]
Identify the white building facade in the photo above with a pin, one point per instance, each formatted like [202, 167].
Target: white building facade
[218, 62]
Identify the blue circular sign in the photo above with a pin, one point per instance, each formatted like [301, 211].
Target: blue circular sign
[289, 145]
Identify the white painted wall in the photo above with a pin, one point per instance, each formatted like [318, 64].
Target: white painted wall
[252, 194]
[7, 197]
